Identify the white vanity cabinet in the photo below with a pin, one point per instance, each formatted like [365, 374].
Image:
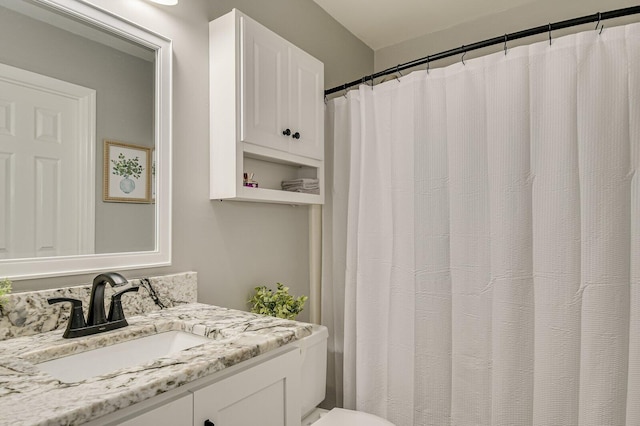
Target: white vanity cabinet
[265, 395]
[264, 390]
[267, 112]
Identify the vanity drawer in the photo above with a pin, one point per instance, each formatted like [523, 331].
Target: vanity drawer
[174, 413]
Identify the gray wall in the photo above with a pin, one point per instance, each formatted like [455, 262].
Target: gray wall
[124, 103]
[233, 246]
[533, 14]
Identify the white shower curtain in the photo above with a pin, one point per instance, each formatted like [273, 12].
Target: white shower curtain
[482, 239]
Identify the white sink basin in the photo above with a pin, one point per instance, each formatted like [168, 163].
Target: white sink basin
[82, 366]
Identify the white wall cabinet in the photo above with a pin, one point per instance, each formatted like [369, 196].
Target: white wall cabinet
[282, 104]
[267, 112]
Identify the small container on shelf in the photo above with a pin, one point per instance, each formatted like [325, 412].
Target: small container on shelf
[248, 181]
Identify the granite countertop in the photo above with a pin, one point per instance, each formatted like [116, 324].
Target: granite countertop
[31, 397]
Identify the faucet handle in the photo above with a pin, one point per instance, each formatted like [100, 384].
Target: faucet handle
[76, 319]
[115, 309]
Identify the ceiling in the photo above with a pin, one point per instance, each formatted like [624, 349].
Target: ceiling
[382, 23]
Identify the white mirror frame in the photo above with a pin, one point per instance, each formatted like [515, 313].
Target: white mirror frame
[17, 269]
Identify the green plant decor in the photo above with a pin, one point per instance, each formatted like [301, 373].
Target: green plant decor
[5, 288]
[276, 304]
[126, 167]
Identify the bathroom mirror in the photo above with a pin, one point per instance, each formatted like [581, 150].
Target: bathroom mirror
[85, 141]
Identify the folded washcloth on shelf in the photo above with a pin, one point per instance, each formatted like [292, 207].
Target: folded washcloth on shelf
[306, 185]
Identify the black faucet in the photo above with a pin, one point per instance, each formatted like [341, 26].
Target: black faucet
[96, 314]
[96, 320]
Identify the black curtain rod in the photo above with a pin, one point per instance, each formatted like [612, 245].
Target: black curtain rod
[597, 17]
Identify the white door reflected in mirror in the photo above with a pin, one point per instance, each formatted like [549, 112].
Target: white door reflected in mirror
[47, 173]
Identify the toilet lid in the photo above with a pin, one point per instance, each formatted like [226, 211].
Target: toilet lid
[342, 417]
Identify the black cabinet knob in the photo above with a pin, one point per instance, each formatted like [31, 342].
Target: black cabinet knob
[286, 132]
[296, 135]
[208, 423]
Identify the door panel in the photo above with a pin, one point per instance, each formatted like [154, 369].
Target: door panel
[264, 90]
[307, 107]
[265, 395]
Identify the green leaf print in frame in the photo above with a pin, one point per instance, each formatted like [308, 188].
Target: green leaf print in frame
[127, 173]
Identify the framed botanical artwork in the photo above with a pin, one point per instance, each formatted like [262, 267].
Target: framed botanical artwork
[127, 173]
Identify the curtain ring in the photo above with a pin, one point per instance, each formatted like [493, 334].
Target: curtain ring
[463, 53]
[371, 81]
[344, 87]
[598, 23]
[428, 64]
[549, 33]
[398, 71]
[505, 45]
[325, 99]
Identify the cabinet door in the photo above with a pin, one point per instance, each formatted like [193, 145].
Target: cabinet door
[265, 395]
[306, 107]
[264, 86]
[175, 413]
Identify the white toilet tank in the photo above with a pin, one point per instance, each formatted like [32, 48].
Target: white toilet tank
[313, 350]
